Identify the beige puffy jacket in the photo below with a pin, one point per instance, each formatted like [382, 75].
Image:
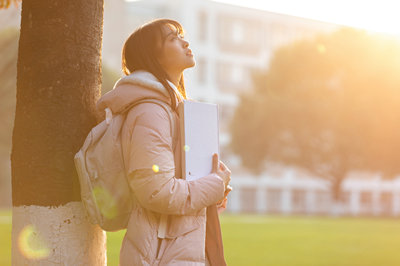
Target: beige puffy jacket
[167, 225]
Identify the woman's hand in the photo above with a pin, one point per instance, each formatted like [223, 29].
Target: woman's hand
[221, 170]
[221, 205]
[224, 173]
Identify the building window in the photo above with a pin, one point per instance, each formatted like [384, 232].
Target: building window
[386, 202]
[344, 197]
[322, 201]
[237, 32]
[239, 35]
[232, 78]
[222, 76]
[237, 74]
[226, 113]
[248, 199]
[299, 201]
[202, 26]
[366, 201]
[201, 65]
[274, 200]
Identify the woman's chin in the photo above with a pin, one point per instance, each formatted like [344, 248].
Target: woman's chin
[190, 65]
[193, 63]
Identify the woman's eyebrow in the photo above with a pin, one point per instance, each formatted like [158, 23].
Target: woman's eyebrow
[172, 33]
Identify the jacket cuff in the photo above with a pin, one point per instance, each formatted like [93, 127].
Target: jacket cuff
[207, 190]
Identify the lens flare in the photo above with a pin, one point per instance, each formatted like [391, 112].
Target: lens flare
[31, 244]
[186, 148]
[105, 202]
[156, 168]
[321, 48]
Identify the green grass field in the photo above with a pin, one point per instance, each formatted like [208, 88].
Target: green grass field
[278, 240]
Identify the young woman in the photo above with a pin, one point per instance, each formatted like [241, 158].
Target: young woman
[173, 221]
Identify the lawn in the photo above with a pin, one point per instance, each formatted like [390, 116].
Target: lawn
[279, 240]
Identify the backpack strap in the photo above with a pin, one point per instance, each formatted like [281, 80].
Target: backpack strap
[167, 109]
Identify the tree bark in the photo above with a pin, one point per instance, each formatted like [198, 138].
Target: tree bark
[58, 83]
[336, 190]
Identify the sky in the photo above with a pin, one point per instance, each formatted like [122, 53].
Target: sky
[376, 16]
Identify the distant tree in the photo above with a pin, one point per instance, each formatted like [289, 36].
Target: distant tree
[58, 83]
[328, 105]
[8, 76]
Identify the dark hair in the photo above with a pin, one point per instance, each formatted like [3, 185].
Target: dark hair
[141, 51]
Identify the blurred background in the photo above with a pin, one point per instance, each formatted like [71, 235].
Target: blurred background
[309, 102]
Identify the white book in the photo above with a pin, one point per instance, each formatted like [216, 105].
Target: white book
[199, 137]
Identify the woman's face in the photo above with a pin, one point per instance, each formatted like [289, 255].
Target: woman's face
[175, 54]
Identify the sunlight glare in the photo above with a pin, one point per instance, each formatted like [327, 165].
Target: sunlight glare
[106, 202]
[321, 48]
[31, 244]
[156, 168]
[377, 16]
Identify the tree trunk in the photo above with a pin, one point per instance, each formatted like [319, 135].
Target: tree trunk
[58, 83]
[337, 208]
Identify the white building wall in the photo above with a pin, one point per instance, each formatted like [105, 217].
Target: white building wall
[396, 203]
[310, 201]
[271, 31]
[237, 40]
[289, 182]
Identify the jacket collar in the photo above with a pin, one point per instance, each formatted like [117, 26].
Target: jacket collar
[134, 87]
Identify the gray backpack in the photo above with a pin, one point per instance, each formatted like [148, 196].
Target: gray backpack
[105, 191]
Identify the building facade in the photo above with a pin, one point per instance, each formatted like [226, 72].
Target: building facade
[290, 192]
[228, 42]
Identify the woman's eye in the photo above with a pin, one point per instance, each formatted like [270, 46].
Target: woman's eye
[176, 37]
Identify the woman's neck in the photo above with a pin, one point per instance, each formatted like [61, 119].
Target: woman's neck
[175, 78]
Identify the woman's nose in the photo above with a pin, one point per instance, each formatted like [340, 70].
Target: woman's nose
[185, 43]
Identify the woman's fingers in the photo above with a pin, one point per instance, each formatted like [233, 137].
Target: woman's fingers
[224, 168]
[221, 170]
[215, 163]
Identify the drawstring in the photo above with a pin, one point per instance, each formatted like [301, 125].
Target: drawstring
[162, 227]
[109, 115]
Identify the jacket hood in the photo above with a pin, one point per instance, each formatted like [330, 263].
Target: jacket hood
[134, 87]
